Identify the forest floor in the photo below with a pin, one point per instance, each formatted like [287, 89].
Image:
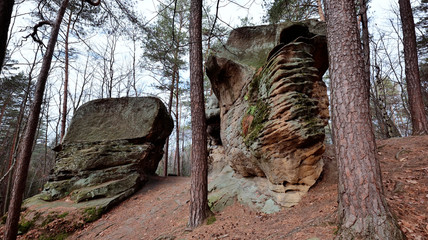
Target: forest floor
[160, 210]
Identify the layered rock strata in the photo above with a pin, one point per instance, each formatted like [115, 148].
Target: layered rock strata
[110, 148]
[273, 108]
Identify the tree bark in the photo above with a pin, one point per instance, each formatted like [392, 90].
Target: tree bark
[6, 7]
[199, 169]
[366, 43]
[177, 121]
[320, 11]
[25, 149]
[66, 74]
[363, 212]
[417, 111]
[171, 96]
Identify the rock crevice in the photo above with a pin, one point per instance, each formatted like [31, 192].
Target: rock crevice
[273, 106]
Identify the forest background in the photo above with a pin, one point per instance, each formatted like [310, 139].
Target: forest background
[124, 49]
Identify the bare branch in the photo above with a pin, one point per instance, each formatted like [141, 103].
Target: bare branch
[34, 35]
[96, 3]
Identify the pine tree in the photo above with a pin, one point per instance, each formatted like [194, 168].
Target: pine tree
[292, 10]
[417, 109]
[164, 52]
[363, 212]
[199, 173]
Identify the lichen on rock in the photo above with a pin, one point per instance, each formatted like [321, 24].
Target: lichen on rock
[111, 147]
[273, 105]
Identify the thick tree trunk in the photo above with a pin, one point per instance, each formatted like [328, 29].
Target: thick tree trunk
[363, 212]
[6, 7]
[26, 146]
[199, 170]
[417, 112]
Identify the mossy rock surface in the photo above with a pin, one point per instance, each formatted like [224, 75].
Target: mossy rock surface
[111, 148]
[118, 119]
[273, 104]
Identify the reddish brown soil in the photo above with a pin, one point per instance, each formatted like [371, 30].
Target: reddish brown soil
[160, 209]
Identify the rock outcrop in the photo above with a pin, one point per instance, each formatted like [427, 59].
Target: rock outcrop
[273, 109]
[110, 148]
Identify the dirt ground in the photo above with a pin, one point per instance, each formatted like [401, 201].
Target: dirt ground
[160, 210]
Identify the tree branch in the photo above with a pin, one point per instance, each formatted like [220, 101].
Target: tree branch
[96, 3]
[34, 35]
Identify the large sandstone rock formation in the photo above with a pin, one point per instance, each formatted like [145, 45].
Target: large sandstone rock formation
[273, 107]
[110, 148]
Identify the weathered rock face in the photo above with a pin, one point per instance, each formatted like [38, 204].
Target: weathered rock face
[273, 105]
[110, 148]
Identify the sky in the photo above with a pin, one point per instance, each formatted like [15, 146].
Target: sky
[230, 11]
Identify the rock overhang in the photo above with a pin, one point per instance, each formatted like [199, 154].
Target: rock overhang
[273, 104]
[137, 119]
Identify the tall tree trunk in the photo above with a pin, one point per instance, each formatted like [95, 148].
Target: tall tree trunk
[25, 149]
[134, 65]
[366, 43]
[199, 170]
[177, 122]
[171, 96]
[320, 11]
[363, 212]
[17, 133]
[66, 74]
[417, 110]
[6, 7]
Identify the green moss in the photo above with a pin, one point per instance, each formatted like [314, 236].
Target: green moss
[253, 58]
[92, 214]
[60, 236]
[336, 231]
[63, 215]
[211, 220]
[3, 219]
[48, 219]
[260, 112]
[24, 226]
[258, 108]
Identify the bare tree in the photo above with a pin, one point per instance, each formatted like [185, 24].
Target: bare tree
[26, 146]
[417, 109]
[363, 212]
[177, 125]
[66, 75]
[27, 142]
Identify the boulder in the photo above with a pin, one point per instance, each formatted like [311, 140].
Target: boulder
[110, 148]
[273, 108]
